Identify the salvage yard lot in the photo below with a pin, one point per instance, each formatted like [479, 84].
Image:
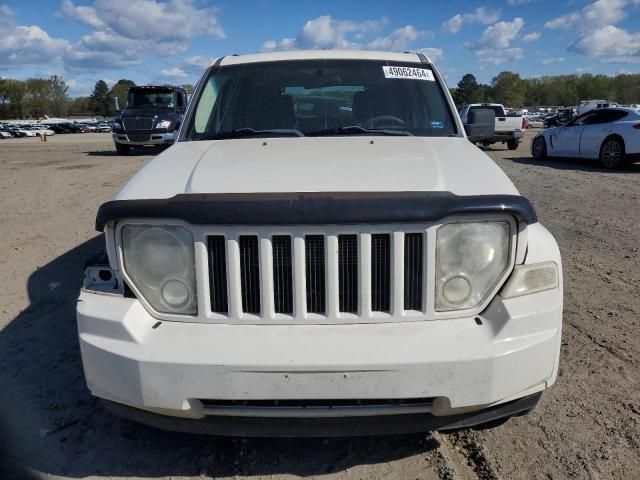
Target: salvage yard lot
[586, 426]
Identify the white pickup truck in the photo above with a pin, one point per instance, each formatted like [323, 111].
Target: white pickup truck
[321, 252]
[509, 128]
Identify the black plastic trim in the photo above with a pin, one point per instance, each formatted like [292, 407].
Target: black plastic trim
[325, 427]
[324, 208]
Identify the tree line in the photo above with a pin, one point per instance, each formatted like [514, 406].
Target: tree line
[36, 97]
[513, 91]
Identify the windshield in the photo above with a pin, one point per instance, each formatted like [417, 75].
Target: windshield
[150, 99]
[321, 97]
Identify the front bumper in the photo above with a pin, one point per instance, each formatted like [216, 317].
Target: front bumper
[461, 365]
[325, 427]
[149, 139]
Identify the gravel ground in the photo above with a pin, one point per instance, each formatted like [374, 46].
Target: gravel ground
[586, 426]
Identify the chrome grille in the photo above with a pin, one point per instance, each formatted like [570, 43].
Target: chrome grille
[334, 276]
[138, 123]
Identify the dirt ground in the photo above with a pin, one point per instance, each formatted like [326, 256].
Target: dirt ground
[586, 426]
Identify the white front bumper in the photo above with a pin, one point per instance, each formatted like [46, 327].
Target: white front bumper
[131, 358]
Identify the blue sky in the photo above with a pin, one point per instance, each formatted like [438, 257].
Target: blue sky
[170, 41]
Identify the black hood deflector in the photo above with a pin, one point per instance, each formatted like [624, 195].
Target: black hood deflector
[322, 208]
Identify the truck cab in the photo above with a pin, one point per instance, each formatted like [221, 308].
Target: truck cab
[152, 116]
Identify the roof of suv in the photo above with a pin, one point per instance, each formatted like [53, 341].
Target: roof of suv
[322, 54]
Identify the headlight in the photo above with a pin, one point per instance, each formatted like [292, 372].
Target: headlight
[160, 262]
[164, 124]
[470, 259]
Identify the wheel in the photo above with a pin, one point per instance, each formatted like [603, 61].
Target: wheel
[122, 149]
[512, 144]
[539, 148]
[612, 153]
[486, 143]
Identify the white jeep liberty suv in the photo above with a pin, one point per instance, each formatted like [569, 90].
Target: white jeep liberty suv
[322, 252]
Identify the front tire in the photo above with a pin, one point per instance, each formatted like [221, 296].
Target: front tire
[122, 149]
[512, 144]
[612, 153]
[539, 148]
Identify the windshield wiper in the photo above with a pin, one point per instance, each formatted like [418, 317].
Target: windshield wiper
[357, 130]
[251, 132]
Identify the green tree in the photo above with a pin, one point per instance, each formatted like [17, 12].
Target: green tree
[509, 89]
[58, 96]
[100, 100]
[12, 94]
[120, 91]
[468, 89]
[37, 99]
[79, 106]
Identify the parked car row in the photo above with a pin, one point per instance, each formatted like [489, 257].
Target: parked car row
[24, 130]
[18, 130]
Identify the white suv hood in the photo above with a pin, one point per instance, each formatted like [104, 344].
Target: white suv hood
[326, 164]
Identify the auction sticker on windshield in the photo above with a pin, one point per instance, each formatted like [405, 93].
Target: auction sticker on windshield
[410, 73]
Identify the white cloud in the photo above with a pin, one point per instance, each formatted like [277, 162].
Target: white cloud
[549, 61]
[499, 35]
[480, 15]
[26, 45]
[174, 72]
[609, 41]
[200, 61]
[584, 69]
[531, 37]
[599, 37]
[329, 33]
[399, 39]
[595, 15]
[494, 47]
[126, 30]
[517, 2]
[435, 54]
[498, 56]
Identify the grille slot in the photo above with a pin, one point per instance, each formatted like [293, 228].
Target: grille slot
[315, 273]
[413, 271]
[380, 272]
[348, 273]
[138, 123]
[250, 274]
[282, 274]
[218, 274]
[138, 137]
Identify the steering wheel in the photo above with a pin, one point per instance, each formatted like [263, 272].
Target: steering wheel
[381, 121]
